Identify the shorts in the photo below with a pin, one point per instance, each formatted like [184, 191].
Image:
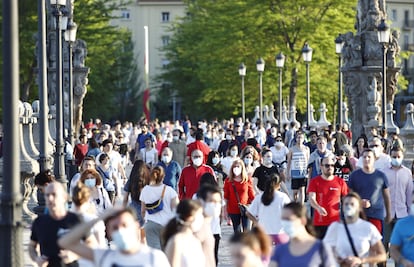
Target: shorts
[298, 183]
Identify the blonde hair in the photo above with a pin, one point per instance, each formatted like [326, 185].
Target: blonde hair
[80, 194]
[157, 175]
[243, 174]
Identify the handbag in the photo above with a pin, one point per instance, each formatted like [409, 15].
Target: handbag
[157, 205]
[242, 207]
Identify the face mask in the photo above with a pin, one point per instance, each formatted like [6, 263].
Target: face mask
[233, 153]
[197, 161]
[228, 137]
[412, 209]
[278, 144]
[267, 160]
[169, 139]
[289, 228]
[396, 162]
[175, 138]
[341, 162]
[122, 239]
[166, 159]
[90, 182]
[237, 171]
[197, 224]
[349, 211]
[212, 209]
[215, 161]
[248, 161]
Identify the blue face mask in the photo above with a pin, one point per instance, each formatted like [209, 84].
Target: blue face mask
[396, 162]
[90, 182]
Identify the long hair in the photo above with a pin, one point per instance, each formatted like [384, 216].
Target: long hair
[243, 174]
[269, 192]
[138, 178]
[157, 175]
[185, 209]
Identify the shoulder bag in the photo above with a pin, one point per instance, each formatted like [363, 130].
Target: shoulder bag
[242, 207]
[157, 205]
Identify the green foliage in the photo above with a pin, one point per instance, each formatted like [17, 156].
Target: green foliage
[113, 80]
[216, 36]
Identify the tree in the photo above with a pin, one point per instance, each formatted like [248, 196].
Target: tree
[216, 36]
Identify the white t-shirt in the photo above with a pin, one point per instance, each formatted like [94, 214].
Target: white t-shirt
[382, 162]
[152, 193]
[145, 257]
[363, 233]
[279, 155]
[269, 216]
[149, 156]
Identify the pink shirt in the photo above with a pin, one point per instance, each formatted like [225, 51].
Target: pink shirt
[401, 188]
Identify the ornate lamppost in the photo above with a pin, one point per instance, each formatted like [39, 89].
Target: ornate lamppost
[280, 62]
[307, 57]
[59, 165]
[339, 44]
[260, 65]
[242, 73]
[384, 38]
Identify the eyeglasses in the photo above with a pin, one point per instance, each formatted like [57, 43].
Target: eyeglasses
[278, 140]
[329, 165]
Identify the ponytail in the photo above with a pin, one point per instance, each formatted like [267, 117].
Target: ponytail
[268, 194]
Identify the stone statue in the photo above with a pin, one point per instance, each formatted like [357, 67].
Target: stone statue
[373, 97]
[80, 53]
[393, 49]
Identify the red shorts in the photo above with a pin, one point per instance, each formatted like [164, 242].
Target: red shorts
[377, 223]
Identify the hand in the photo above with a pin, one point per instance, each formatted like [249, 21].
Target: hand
[67, 256]
[353, 261]
[322, 211]
[42, 261]
[366, 203]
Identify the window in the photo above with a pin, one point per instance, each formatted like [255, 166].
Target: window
[406, 41]
[165, 16]
[165, 40]
[125, 14]
[406, 18]
[394, 15]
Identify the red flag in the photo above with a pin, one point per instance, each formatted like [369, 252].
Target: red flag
[146, 103]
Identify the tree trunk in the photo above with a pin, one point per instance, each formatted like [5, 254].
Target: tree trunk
[293, 88]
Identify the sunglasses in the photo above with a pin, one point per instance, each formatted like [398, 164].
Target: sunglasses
[329, 165]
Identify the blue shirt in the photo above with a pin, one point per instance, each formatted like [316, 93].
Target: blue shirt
[403, 236]
[172, 173]
[317, 255]
[370, 186]
[142, 137]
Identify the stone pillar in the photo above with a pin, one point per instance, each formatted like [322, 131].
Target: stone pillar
[323, 121]
[362, 63]
[285, 119]
[292, 116]
[312, 122]
[272, 117]
[407, 132]
[265, 114]
[256, 114]
[391, 127]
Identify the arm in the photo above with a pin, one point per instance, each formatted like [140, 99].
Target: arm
[34, 255]
[143, 211]
[387, 203]
[314, 203]
[72, 240]
[398, 257]
[376, 254]
[409, 194]
[172, 253]
[174, 203]
[252, 218]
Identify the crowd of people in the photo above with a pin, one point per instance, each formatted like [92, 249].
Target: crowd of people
[294, 197]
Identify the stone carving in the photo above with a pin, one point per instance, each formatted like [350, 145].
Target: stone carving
[373, 97]
[393, 49]
[323, 121]
[292, 116]
[312, 121]
[80, 53]
[391, 127]
[256, 114]
[285, 120]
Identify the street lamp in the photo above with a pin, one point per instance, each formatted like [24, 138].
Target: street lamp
[260, 65]
[280, 62]
[339, 44]
[70, 38]
[384, 38]
[59, 165]
[242, 73]
[307, 57]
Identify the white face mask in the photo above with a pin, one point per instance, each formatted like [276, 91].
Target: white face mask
[166, 159]
[123, 238]
[237, 171]
[197, 161]
[342, 162]
[267, 160]
[90, 182]
[175, 138]
[169, 139]
[229, 137]
[396, 162]
[233, 153]
[212, 209]
[198, 222]
[289, 228]
[349, 211]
